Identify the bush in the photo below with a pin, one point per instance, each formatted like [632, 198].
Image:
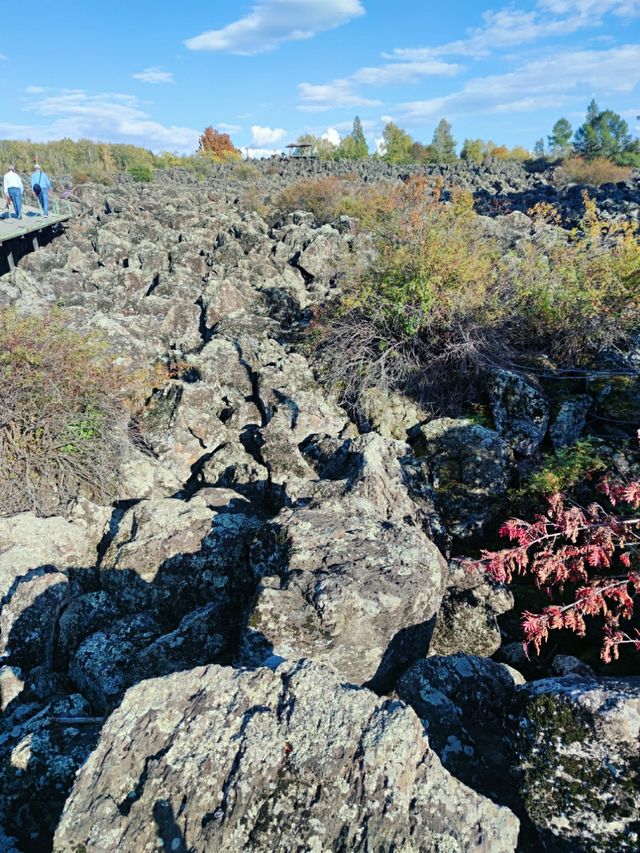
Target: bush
[585, 560]
[572, 298]
[63, 412]
[595, 172]
[425, 316]
[443, 302]
[321, 197]
[141, 173]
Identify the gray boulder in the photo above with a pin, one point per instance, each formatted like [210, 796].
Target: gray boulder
[520, 411]
[217, 759]
[469, 468]
[173, 556]
[349, 575]
[41, 748]
[569, 421]
[467, 620]
[462, 701]
[40, 560]
[576, 746]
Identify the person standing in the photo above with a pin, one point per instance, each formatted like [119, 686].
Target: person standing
[40, 184]
[13, 189]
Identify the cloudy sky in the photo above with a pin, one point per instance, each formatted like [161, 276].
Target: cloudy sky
[155, 73]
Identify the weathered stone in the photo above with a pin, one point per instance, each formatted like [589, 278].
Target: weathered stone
[349, 576]
[520, 411]
[570, 420]
[469, 467]
[293, 759]
[467, 619]
[40, 752]
[392, 415]
[577, 756]
[172, 557]
[462, 701]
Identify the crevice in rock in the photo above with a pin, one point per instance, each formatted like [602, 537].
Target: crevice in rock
[155, 281]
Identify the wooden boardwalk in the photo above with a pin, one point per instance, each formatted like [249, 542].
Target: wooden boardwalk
[32, 220]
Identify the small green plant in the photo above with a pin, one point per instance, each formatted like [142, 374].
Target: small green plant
[563, 470]
[142, 173]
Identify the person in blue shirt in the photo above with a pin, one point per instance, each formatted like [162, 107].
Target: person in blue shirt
[41, 185]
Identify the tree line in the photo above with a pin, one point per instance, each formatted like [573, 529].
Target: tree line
[604, 134]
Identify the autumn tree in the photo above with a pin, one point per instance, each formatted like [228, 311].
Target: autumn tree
[217, 146]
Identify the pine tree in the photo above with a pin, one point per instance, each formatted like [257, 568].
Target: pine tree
[560, 138]
[603, 134]
[538, 149]
[354, 146]
[359, 139]
[443, 143]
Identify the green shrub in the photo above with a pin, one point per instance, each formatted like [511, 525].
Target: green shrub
[63, 412]
[141, 172]
[565, 469]
[442, 302]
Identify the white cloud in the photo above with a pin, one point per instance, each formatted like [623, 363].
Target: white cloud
[262, 136]
[273, 22]
[510, 27]
[326, 96]
[228, 128]
[261, 153]
[154, 75]
[539, 84]
[331, 135]
[109, 117]
[343, 92]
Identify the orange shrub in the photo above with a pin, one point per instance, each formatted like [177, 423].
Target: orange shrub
[595, 172]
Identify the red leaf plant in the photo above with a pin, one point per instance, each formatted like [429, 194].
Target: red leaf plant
[586, 554]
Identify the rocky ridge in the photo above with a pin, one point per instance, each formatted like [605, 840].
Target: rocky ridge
[214, 661]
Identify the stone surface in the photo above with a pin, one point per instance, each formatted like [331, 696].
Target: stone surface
[569, 421]
[462, 701]
[520, 411]
[217, 759]
[467, 619]
[576, 743]
[469, 467]
[349, 576]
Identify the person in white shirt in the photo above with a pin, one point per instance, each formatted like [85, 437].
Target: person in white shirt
[13, 190]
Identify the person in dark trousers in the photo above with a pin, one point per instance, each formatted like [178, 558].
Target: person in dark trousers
[13, 189]
[40, 184]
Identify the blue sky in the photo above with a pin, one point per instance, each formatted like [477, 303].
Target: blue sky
[155, 73]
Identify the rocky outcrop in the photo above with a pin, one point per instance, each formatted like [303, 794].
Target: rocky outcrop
[294, 759]
[577, 759]
[469, 467]
[256, 524]
[349, 576]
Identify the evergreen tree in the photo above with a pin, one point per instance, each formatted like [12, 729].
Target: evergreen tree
[603, 134]
[359, 139]
[354, 146]
[444, 145]
[560, 138]
[538, 149]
